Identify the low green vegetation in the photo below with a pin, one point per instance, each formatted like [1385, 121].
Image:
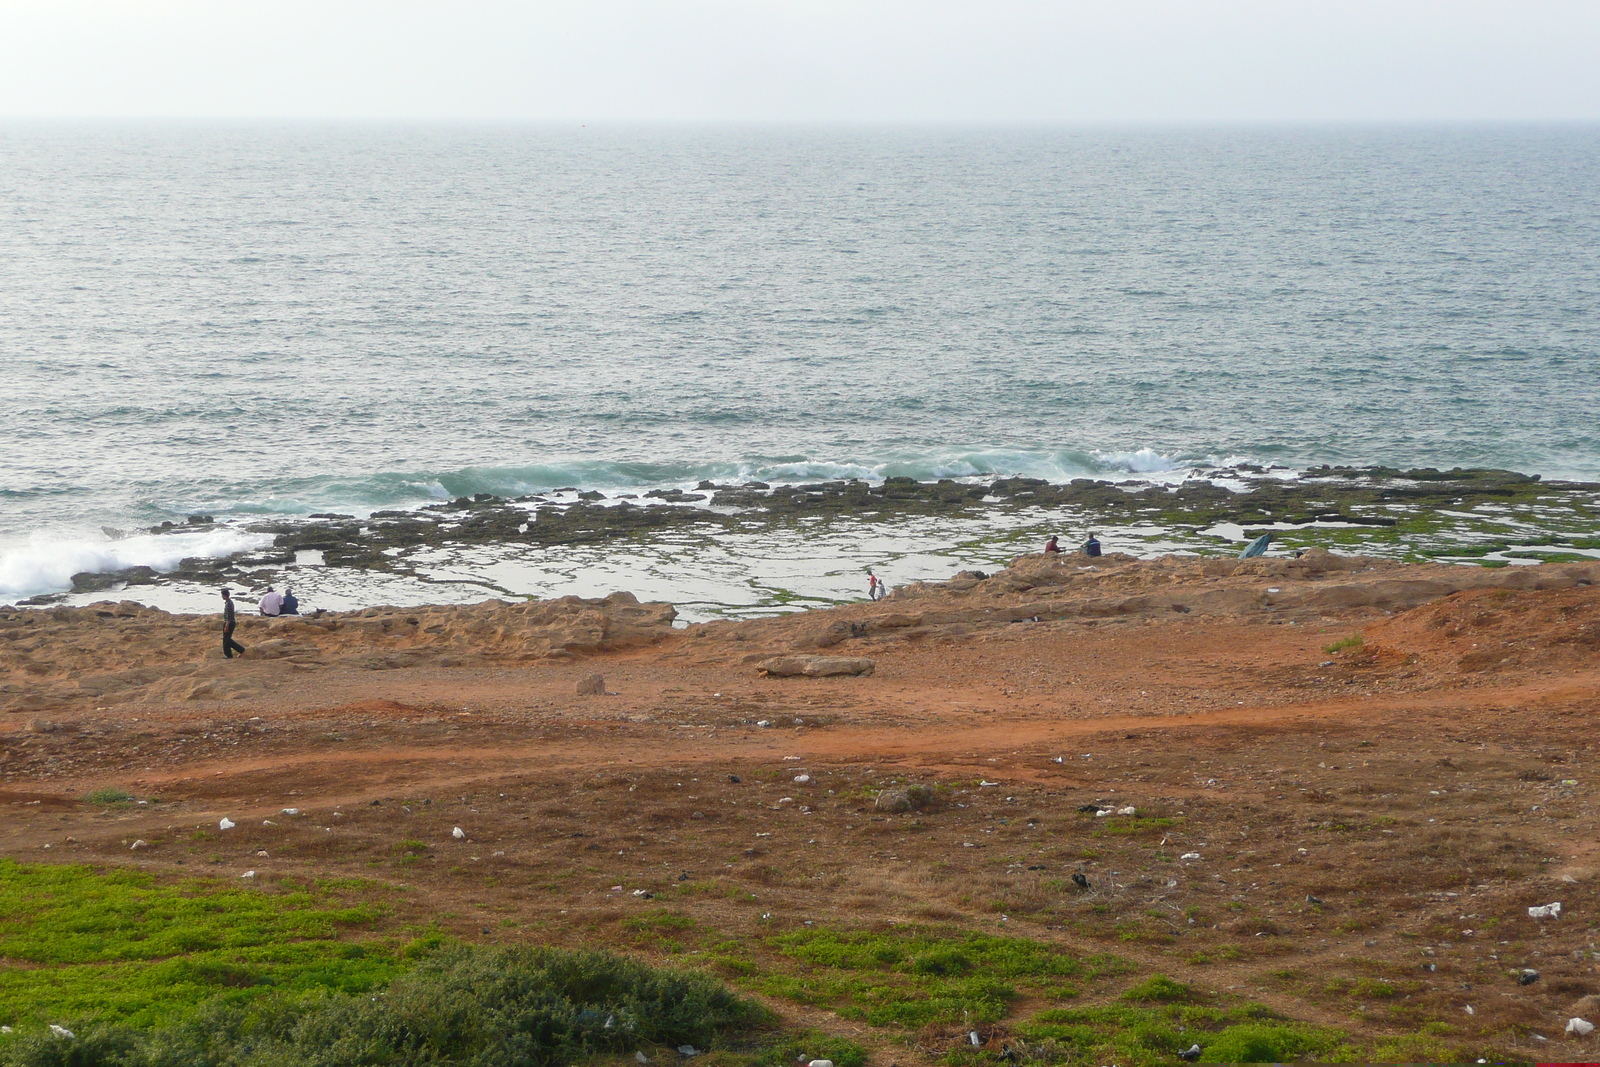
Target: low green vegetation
[118, 943]
[911, 977]
[109, 796]
[459, 1005]
[1353, 641]
[145, 973]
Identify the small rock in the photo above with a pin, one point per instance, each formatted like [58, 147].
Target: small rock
[592, 686]
[226, 823]
[459, 834]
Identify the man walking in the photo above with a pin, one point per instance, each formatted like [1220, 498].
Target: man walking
[229, 645]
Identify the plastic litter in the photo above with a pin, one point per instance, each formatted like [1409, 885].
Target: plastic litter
[290, 811]
[248, 874]
[62, 1031]
[820, 1063]
[640, 1057]
[1528, 976]
[688, 1050]
[974, 1038]
[459, 834]
[1129, 810]
[1547, 911]
[137, 845]
[802, 778]
[1581, 1027]
[1190, 1054]
[1190, 856]
[226, 823]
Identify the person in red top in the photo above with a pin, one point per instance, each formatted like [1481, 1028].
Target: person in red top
[1051, 546]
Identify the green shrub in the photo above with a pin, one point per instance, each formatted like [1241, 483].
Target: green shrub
[1159, 989]
[1260, 1043]
[110, 795]
[515, 1007]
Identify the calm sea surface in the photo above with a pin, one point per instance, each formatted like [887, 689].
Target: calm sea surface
[260, 320]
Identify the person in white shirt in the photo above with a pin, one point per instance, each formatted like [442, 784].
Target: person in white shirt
[272, 603]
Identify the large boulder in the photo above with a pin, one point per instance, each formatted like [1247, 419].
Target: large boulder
[814, 666]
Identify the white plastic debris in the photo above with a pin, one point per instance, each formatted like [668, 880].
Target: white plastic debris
[984, 783]
[1129, 810]
[62, 1031]
[1470, 1011]
[459, 834]
[226, 823]
[268, 822]
[802, 778]
[6, 1030]
[137, 845]
[972, 1036]
[1190, 856]
[688, 1050]
[1102, 813]
[640, 1057]
[820, 1063]
[1547, 911]
[290, 811]
[248, 874]
[1581, 1027]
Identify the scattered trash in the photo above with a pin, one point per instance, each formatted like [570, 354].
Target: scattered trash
[290, 811]
[1102, 813]
[1088, 809]
[1430, 966]
[802, 778]
[984, 783]
[1528, 976]
[640, 1057]
[688, 1050]
[1129, 810]
[1547, 911]
[645, 893]
[820, 1063]
[1313, 900]
[1469, 1010]
[226, 823]
[1079, 880]
[1581, 1027]
[974, 1038]
[268, 822]
[1190, 856]
[137, 845]
[1190, 1054]
[763, 722]
[734, 778]
[1059, 759]
[262, 854]
[62, 1031]
[459, 834]
[248, 874]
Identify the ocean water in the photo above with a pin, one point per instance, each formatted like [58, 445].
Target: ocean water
[258, 320]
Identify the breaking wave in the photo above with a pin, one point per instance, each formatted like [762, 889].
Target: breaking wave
[46, 565]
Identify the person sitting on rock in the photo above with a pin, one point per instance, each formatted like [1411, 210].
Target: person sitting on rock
[272, 603]
[1051, 547]
[1091, 547]
[291, 603]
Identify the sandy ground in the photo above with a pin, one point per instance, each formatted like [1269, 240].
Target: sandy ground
[1351, 837]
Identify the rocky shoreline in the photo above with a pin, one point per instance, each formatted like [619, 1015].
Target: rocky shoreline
[1419, 514]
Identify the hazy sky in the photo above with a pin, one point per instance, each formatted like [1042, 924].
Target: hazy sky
[805, 60]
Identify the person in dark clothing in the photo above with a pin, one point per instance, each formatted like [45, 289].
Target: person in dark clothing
[229, 645]
[1091, 547]
[1051, 546]
[291, 603]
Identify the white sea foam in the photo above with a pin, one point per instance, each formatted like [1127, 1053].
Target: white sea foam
[47, 564]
